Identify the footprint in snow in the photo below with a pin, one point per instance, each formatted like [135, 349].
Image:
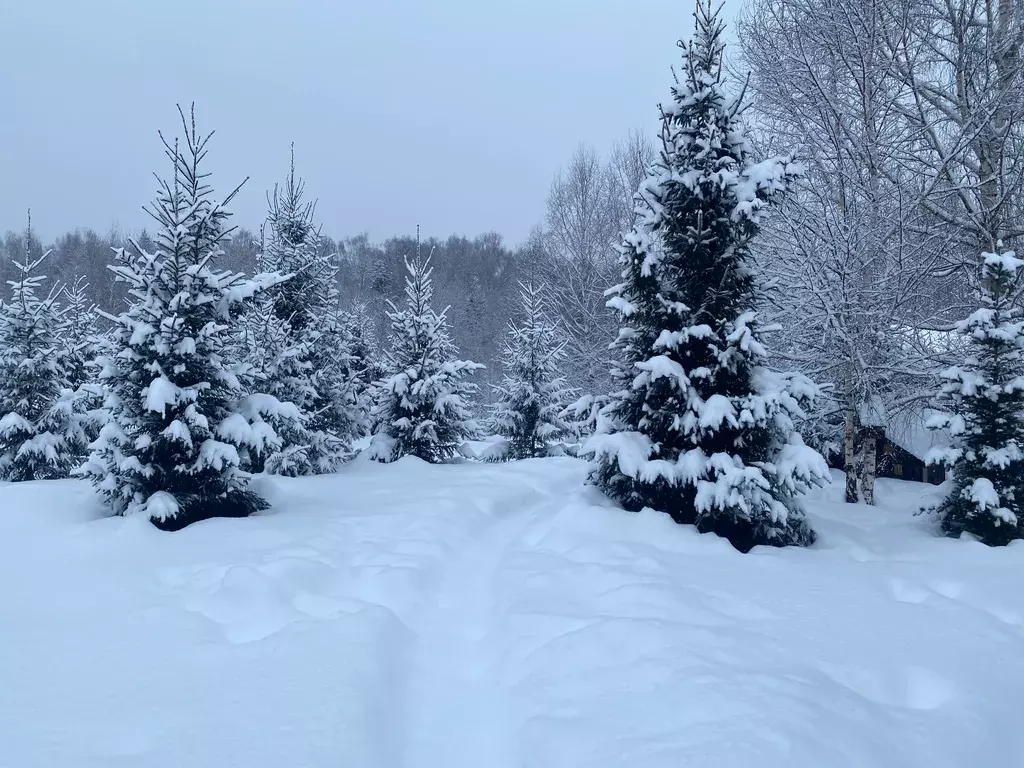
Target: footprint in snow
[912, 687]
[905, 592]
[862, 555]
[247, 604]
[736, 608]
[952, 590]
[926, 689]
[192, 577]
[321, 607]
[1006, 616]
[315, 575]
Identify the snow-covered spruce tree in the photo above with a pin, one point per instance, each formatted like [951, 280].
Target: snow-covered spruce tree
[421, 405]
[364, 366]
[533, 394]
[279, 364]
[339, 416]
[77, 332]
[985, 401]
[702, 430]
[43, 431]
[179, 411]
[300, 341]
[79, 340]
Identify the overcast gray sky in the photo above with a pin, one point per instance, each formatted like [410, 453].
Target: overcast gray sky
[451, 113]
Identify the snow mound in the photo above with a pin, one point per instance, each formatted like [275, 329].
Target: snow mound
[498, 615]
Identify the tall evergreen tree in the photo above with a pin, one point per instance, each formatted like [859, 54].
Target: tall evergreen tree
[301, 341]
[702, 430]
[422, 403]
[985, 416]
[533, 394]
[42, 427]
[179, 412]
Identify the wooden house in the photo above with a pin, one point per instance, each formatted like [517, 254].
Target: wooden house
[897, 462]
[902, 447]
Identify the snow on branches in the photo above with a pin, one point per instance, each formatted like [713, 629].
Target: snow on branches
[533, 394]
[984, 398]
[180, 414]
[43, 427]
[422, 402]
[702, 429]
[302, 347]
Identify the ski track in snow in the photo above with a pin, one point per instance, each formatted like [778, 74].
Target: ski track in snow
[463, 716]
[453, 713]
[497, 616]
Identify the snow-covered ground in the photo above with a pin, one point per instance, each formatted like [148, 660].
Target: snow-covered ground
[495, 616]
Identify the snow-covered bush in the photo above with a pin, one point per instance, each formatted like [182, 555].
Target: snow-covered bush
[702, 429]
[421, 407]
[984, 397]
[179, 412]
[533, 394]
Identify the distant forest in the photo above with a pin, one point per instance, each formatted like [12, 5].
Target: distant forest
[570, 254]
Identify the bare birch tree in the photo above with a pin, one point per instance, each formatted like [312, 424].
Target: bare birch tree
[961, 63]
[589, 206]
[852, 249]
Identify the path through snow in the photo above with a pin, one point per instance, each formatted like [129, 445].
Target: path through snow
[464, 716]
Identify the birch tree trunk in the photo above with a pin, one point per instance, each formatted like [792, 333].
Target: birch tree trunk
[868, 460]
[848, 454]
